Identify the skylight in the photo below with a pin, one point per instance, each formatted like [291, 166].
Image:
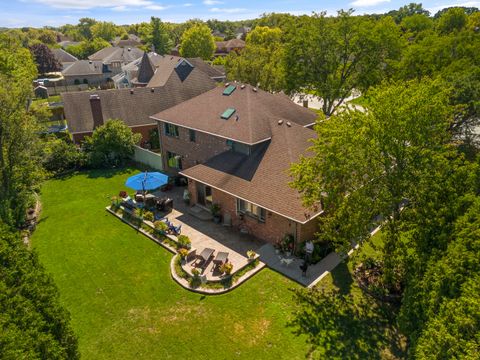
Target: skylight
[229, 89]
[227, 113]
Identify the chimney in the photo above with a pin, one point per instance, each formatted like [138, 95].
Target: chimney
[96, 107]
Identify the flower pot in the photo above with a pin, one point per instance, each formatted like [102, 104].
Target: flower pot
[288, 253]
[217, 219]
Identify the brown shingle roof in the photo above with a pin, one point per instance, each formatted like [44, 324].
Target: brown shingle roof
[134, 109]
[262, 178]
[145, 69]
[206, 68]
[114, 53]
[255, 110]
[227, 46]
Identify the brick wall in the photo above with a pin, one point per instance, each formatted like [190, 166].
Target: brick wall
[143, 130]
[272, 230]
[193, 153]
[308, 230]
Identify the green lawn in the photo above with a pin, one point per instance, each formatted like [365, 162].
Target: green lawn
[123, 303]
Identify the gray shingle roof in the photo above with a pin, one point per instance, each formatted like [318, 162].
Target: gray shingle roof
[114, 53]
[63, 57]
[262, 178]
[134, 109]
[84, 67]
[254, 109]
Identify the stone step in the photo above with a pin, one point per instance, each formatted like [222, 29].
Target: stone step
[200, 213]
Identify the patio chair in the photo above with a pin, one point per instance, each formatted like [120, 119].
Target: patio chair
[220, 259]
[204, 258]
[175, 230]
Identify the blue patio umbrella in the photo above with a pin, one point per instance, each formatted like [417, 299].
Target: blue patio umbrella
[147, 181]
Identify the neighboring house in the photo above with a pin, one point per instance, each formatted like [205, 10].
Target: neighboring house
[64, 58]
[242, 32]
[67, 43]
[86, 72]
[224, 48]
[132, 41]
[141, 71]
[87, 110]
[235, 145]
[114, 57]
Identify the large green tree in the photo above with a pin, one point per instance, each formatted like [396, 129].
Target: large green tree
[365, 164]
[261, 62]
[104, 30]
[197, 41]
[44, 58]
[111, 144]
[87, 48]
[329, 57]
[159, 38]
[20, 169]
[34, 324]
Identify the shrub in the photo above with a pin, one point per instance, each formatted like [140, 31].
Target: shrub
[251, 254]
[138, 213]
[215, 209]
[110, 144]
[183, 241]
[60, 156]
[160, 226]
[148, 215]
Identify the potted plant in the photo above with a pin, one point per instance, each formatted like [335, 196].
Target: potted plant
[186, 196]
[226, 268]
[115, 203]
[251, 254]
[195, 272]
[183, 254]
[184, 242]
[287, 244]
[215, 210]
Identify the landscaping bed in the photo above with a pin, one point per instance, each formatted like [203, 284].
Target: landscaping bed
[181, 246]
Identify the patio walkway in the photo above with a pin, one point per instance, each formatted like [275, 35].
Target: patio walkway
[207, 234]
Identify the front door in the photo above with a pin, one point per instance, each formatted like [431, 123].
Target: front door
[204, 195]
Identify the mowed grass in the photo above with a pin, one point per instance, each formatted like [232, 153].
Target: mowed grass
[123, 303]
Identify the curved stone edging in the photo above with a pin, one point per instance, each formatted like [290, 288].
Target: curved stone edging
[184, 283]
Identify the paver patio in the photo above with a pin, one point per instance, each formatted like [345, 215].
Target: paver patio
[206, 234]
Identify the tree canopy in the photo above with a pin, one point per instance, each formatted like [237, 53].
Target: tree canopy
[329, 57]
[34, 324]
[260, 63]
[44, 58]
[197, 41]
[20, 169]
[110, 144]
[159, 38]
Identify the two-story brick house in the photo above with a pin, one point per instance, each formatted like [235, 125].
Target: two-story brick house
[235, 145]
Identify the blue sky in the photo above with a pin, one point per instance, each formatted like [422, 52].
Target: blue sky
[18, 13]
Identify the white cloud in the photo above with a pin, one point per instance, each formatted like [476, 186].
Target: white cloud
[228, 10]
[367, 3]
[187, 5]
[120, 8]
[90, 4]
[212, 2]
[435, 9]
[157, 7]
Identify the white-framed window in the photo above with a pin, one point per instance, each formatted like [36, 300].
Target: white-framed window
[247, 208]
